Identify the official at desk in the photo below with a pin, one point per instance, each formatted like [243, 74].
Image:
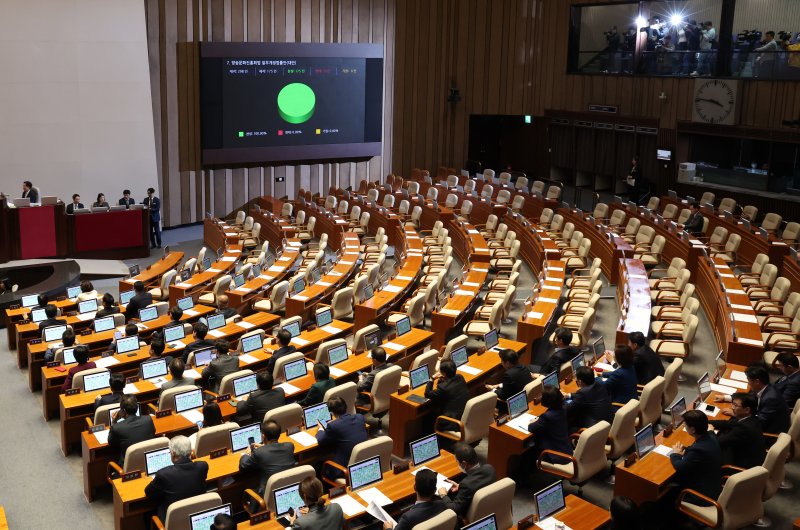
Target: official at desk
[76, 204]
[183, 479]
[29, 192]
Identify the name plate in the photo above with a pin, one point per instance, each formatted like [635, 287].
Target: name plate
[401, 466]
[133, 475]
[292, 430]
[218, 453]
[86, 332]
[53, 364]
[97, 428]
[72, 391]
[163, 413]
[259, 518]
[223, 397]
[129, 380]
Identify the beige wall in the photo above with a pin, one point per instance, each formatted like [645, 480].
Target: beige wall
[75, 106]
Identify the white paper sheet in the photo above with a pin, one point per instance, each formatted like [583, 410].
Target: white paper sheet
[245, 324]
[83, 317]
[193, 415]
[742, 317]
[333, 330]
[738, 375]
[467, 369]
[183, 284]
[663, 450]
[451, 312]
[462, 292]
[392, 288]
[337, 372]
[550, 524]
[522, 421]
[534, 314]
[735, 291]
[300, 298]
[733, 383]
[130, 388]
[551, 288]
[548, 300]
[349, 505]
[228, 258]
[105, 362]
[191, 312]
[743, 307]
[248, 359]
[722, 389]
[393, 346]
[242, 289]
[303, 438]
[752, 342]
[379, 513]
[194, 374]
[604, 367]
[102, 436]
[216, 333]
[177, 344]
[213, 270]
[299, 341]
[404, 278]
[374, 494]
[289, 388]
[275, 268]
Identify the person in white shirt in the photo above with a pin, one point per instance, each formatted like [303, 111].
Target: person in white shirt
[708, 37]
[765, 62]
[87, 291]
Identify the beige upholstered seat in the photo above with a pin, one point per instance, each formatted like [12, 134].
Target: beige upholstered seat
[653, 203]
[771, 222]
[727, 205]
[546, 218]
[226, 385]
[534, 389]
[474, 422]
[738, 505]
[487, 191]
[325, 347]
[386, 383]
[521, 184]
[220, 286]
[286, 210]
[554, 193]
[678, 348]
[496, 498]
[790, 233]
[134, 455]
[672, 326]
[503, 197]
[538, 187]
[178, 513]
[286, 416]
[433, 194]
[478, 327]
[428, 357]
[622, 434]
[728, 252]
[346, 391]
[213, 438]
[342, 304]
[162, 291]
[775, 464]
[588, 459]
[617, 218]
[103, 414]
[451, 181]
[707, 198]
[671, 377]
[380, 446]
[670, 211]
[277, 299]
[600, 212]
[650, 402]
[469, 186]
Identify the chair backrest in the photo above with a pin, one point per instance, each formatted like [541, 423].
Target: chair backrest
[487, 191]
[101, 415]
[558, 222]
[325, 347]
[518, 203]
[537, 187]
[372, 194]
[534, 389]
[134, 455]
[166, 280]
[380, 446]
[650, 401]
[488, 174]
[547, 217]
[451, 201]
[617, 218]
[671, 376]
[791, 232]
[178, 513]
[452, 181]
[633, 226]
[670, 211]
[346, 391]
[454, 343]
[416, 310]
[740, 499]
[344, 206]
[433, 193]
[600, 211]
[645, 235]
[521, 184]
[727, 204]
[590, 453]
[413, 188]
[504, 178]
[277, 371]
[622, 434]
[496, 498]
[478, 415]
[342, 303]
[287, 209]
[286, 416]
[652, 204]
[222, 284]
[77, 380]
[775, 464]
[659, 242]
[683, 216]
[554, 192]
[503, 197]
[718, 236]
[285, 478]
[733, 243]
[428, 357]
[707, 197]
[446, 520]
[330, 202]
[772, 221]
[213, 438]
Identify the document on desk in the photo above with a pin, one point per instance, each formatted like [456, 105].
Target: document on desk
[733, 383]
[379, 513]
[393, 346]
[331, 330]
[105, 362]
[463, 292]
[550, 524]
[441, 480]
[275, 268]
[604, 367]
[299, 341]
[177, 344]
[547, 300]
[337, 372]
[522, 421]
[534, 315]
[451, 312]
[242, 289]
[248, 359]
[663, 450]
[722, 389]
[324, 284]
[738, 375]
[392, 289]
[741, 306]
[228, 258]
[349, 505]
[467, 369]
[245, 324]
[289, 388]
[102, 436]
[471, 284]
[303, 438]
[300, 298]
[374, 494]
[193, 415]
[404, 278]
[742, 317]
[216, 333]
[752, 342]
[83, 317]
[194, 374]
[130, 388]
[215, 271]
[191, 312]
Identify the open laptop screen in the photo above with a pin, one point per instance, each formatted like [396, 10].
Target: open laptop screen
[29, 300]
[125, 296]
[215, 321]
[288, 498]
[244, 385]
[96, 381]
[487, 523]
[148, 313]
[551, 379]
[599, 348]
[518, 404]
[191, 399]
[205, 519]
[337, 354]
[365, 472]
[69, 356]
[645, 441]
[155, 368]
[293, 328]
[549, 500]
[295, 370]
[324, 317]
[204, 356]
[87, 306]
[372, 339]
[459, 356]
[252, 343]
[676, 410]
[577, 362]
[73, 292]
[127, 344]
[174, 333]
[704, 386]
[37, 315]
[403, 326]
[315, 413]
[424, 449]
[52, 333]
[242, 438]
[419, 376]
[187, 302]
[157, 460]
[490, 339]
[103, 324]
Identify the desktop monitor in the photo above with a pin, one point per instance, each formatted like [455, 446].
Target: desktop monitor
[419, 376]
[242, 438]
[69, 356]
[37, 315]
[29, 300]
[424, 449]
[73, 292]
[244, 385]
[486, 523]
[127, 344]
[517, 404]
[298, 286]
[133, 270]
[187, 302]
[599, 348]
[252, 343]
[676, 410]
[125, 296]
[156, 460]
[215, 321]
[369, 292]
[205, 519]
[103, 324]
[220, 252]
[324, 317]
[52, 333]
[314, 275]
[173, 333]
[490, 339]
[551, 379]
[154, 368]
[372, 339]
[316, 413]
[185, 274]
[206, 263]
[365, 473]
[287, 498]
[96, 381]
[205, 356]
[337, 354]
[645, 440]
[148, 313]
[189, 400]
[294, 370]
[256, 271]
[549, 501]
[238, 280]
[293, 328]
[459, 356]
[704, 386]
[403, 326]
[87, 306]
[576, 363]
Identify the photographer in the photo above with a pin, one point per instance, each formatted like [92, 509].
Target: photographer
[708, 42]
[767, 54]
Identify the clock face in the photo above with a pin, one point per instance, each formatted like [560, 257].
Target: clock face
[715, 101]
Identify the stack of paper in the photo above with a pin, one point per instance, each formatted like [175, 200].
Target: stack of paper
[245, 325]
[522, 421]
[332, 330]
[248, 359]
[105, 362]
[193, 415]
[374, 494]
[349, 505]
[216, 333]
[102, 436]
[337, 372]
[289, 388]
[467, 369]
[303, 438]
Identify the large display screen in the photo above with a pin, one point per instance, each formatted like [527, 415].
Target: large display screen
[271, 102]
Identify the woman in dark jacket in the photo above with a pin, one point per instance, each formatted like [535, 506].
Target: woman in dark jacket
[551, 430]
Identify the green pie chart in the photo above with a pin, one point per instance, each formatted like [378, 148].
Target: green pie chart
[296, 103]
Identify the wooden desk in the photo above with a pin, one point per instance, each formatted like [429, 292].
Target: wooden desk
[582, 515]
[151, 276]
[536, 246]
[610, 251]
[23, 313]
[242, 298]
[450, 315]
[633, 295]
[27, 331]
[535, 319]
[3, 521]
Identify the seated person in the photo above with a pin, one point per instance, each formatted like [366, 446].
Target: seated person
[365, 380]
[343, 432]
[50, 311]
[551, 430]
[157, 347]
[268, 457]
[450, 395]
[100, 202]
[694, 224]
[788, 385]
[128, 428]
[741, 438]
[564, 352]
[317, 515]
[591, 404]
[515, 377]
[199, 332]
[175, 315]
[87, 292]
[459, 496]
[223, 365]
[621, 383]
[322, 383]
[117, 385]
[698, 466]
[42, 301]
[183, 479]
[76, 204]
[140, 300]
[126, 199]
[772, 410]
[131, 330]
[212, 416]
[646, 362]
[67, 341]
[427, 505]
[284, 338]
[110, 306]
[81, 354]
[222, 307]
[223, 521]
[176, 368]
[261, 401]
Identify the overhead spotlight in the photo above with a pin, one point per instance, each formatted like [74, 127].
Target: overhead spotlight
[641, 21]
[676, 20]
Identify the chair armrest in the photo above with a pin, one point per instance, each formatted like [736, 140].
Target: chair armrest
[446, 434]
[579, 272]
[249, 496]
[334, 465]
[667, 341]
[155, 523]
[709, 500]
[89, 422]
[766, 325]
[663, 279]
[560, 455]
[113, 470]
[369, 396]
[153, 407]
[733, 470]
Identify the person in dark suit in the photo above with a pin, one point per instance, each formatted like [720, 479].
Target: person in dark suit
[117, 384]
[139, 301]
[590, 404]
[222, 307]
[564, 353]
[459, 496]
[42, 300]
[270, 457]
[153, 204]
[110, 306]
[515, 377]
[181, 480]
[788, 385]
[127, 428]
[551, 430]
[81, 354]
[157, 347]
[76, 204]
[343, 432]
[175, 315]
[67, 341]
[741, 438]
[323, 383]
[50, 311]
[646, 362]
[772, 410]
[29, 193]
[621, 383]
[698, 466]
[100, 202]
[126, 199]
[694, 224]
[199, 332]
[318, 516]
[176, 368]
[261, 401]
[451, 393]
[428, 505]
[366, 380]
[284, 338]
[223, 365]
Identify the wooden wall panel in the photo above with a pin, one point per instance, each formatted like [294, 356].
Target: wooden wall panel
[175, 27]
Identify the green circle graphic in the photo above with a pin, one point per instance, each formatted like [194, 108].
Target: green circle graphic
[296, 103]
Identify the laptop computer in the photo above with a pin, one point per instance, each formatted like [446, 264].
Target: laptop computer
[576, 363]
[365, 473]
[185, 274]
[29, 300]
[103, 324]
[238, 280]
[53, 333]
[316, 413]
[298, 286]
[424, 449]
[551, 379]
[645, 441]
[294, 370]
[486, 523]
[215, 321]
[205, 519]
[206, 263]
[37, 315]
[155, 370]
[490, 339]
[148, 313]
[293, 328]
[69, 356]
[372, 340]
[125, 296]
[337, 354]
[88, 306]
[598, 348]
[252, 343]
[73, 292]
[157, 460]
[459, 356]
[189, 400]
[323, 317]
[403, 326]
[419, 376]
[242, 437]
[127, 344]
[204, 357]
[369, 292]
[287, 499]
[244, 385]
[96, 381]
[22, 203]
[185, 303]
[49, 200]
[549, 501]
[676, 410]
[174, 333]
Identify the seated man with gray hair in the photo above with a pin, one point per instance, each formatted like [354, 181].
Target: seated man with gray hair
[181, 480]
